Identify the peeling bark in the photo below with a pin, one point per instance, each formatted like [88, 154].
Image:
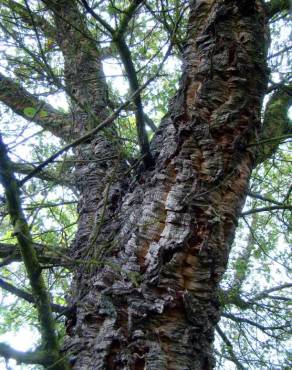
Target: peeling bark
[148, 299]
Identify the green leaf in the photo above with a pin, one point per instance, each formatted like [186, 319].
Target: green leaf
[30, 112]
[43, 113]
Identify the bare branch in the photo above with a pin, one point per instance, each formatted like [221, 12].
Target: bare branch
[253, 323]
[229, 346]
[91, 133]
[242, 262]
[36, 357]
[169, 28]
[29, 297]
[150, 123]
[266, 209]
[230, 298]
[64, 179]
[11, 253]
[126, 57]
[265, 293]
[263, 198]
[97, 17]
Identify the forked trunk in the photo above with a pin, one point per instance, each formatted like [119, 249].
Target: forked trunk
[146, 291]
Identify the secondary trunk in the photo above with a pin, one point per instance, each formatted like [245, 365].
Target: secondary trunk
[146, 293]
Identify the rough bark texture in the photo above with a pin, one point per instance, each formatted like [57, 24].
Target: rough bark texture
[146, 295]
[85, 82]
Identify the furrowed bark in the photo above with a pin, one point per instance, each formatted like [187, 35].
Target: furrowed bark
[85, 81]
[118, 39]
[153, 302]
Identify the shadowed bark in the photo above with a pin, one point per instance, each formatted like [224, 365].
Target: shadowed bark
[151, 249]
[277, 6]
[162, 249]
[85, 81]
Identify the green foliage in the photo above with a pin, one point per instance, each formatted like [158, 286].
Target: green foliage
[31, 112]
[259, 258]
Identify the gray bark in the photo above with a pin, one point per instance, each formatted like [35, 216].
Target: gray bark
[155, 249]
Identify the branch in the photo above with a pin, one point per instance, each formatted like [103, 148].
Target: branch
[277, 6]
[265, 293]
[242, 262]
[252, 323]
[128, 14]
[149, 122]
[230, 298]
[48, 175]
[40, 21]
[229, 348]
[170, 29]
[36, 357]
[265, 209]
[90, 98]
[276, 125]
[11, 253]
[127, 61]
[107, 26]
[32, 266]
[18, 99]
[29, 297]
[126, 57]
[94, 131]
[263, 198]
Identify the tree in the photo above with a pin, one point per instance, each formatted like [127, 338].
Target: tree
[157, 210]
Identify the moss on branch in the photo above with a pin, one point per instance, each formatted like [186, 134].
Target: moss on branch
[33, 268]
[28, 106]
[276, 125]
[35, 357]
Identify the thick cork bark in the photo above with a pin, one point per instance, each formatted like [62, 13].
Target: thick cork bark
[150, 301]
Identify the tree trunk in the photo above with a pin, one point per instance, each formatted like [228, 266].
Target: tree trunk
[153, 250]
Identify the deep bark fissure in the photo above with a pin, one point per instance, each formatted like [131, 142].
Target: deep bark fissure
[153, 301]
[153, 241]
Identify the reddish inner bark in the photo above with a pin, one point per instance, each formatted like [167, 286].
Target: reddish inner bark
[153, 302]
